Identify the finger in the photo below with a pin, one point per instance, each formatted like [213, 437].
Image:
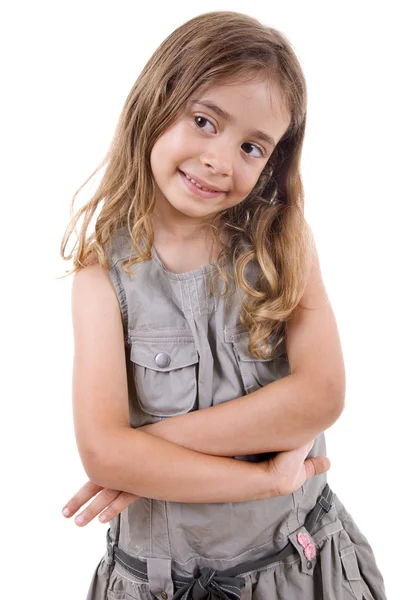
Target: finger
[86, 492]
[316, 465]
[117, 506]
[101, 502]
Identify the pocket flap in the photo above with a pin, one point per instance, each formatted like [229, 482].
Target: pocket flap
[163, 354]
[350, 564]
[239, 337]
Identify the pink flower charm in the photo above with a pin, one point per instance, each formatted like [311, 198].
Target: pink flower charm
[305, 543]
[309, 551]
[303, 539]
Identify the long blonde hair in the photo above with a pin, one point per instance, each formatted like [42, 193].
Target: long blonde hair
[268, 227]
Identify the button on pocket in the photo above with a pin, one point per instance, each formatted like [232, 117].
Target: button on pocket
[162, 359]
[256, 372]
[164, 371]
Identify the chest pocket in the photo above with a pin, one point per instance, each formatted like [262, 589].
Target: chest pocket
[165, 372]
[256, 372]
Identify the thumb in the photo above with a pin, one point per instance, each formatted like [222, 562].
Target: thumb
[316, 465]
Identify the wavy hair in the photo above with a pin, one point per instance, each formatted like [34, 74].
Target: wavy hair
[267, 229]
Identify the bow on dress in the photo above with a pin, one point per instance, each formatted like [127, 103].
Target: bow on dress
[210, 586]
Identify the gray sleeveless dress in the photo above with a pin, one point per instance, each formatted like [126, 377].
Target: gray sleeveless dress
[185, 350]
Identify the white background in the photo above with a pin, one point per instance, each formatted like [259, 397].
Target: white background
[67, 68]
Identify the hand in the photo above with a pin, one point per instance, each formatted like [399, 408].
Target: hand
[291, 469]
[114, 501]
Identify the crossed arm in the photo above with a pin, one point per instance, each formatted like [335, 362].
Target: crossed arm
[283, 415]
[233, 428]
[179, 466]
[286, 413]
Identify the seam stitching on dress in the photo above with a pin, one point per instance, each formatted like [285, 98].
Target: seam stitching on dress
[291, 512]
[162, 340]
[231, 559]
[158, 331]
[167, 526]
[151, 526]
[246, 387]
[206, 291]
[327, 535]
[190, 300]
[298, 505]
[124, 302]
[351, 551]
[197, 295]
[170, 275]
[141, 582]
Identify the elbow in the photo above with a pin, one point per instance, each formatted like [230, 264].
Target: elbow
[336, 409]
[326, 399]
[334, 402]
[96, 469]
[94, 462]
[106, 461]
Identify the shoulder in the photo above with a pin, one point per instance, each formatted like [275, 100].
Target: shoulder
[92, 287]
[99, 370]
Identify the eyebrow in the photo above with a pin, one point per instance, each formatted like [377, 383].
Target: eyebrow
[261, 135]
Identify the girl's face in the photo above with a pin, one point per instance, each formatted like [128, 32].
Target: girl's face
[223, 139]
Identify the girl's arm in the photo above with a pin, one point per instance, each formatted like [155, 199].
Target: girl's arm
[113, 454]
[144, 465]
[119, 457]
[286, 413]
[290, 469]
[283, 415]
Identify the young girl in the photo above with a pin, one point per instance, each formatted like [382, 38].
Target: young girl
[207, 359]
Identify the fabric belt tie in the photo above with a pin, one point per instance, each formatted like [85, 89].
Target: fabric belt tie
[220, 585]
[211, 586]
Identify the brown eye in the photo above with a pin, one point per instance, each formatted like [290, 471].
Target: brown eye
[258, 148]
[199, 120]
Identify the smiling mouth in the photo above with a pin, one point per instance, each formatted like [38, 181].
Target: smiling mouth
[200, 186]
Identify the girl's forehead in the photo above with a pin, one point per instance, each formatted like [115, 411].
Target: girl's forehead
[233, 83]
[261, 91]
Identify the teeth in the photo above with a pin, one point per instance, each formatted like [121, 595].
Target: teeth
[198, 185]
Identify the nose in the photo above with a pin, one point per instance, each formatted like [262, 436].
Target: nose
[219, 160]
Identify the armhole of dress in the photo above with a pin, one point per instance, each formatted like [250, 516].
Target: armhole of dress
[123, 304]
